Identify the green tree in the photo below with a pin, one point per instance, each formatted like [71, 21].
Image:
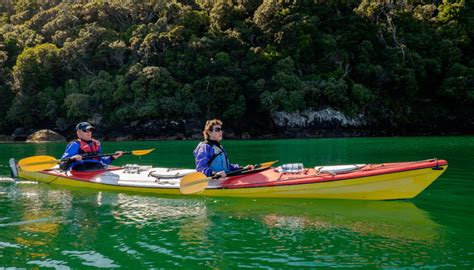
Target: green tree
[6, 95]
[36, 69]
[458, 86]
[240, 60]
[78, 106]
[220, 97]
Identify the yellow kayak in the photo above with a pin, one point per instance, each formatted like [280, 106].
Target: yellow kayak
[386, 181]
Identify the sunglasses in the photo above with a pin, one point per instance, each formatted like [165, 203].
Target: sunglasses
[87, 130]
[217, 129]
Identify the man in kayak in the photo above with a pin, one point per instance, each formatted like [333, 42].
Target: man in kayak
[77, 151]
[211, 158]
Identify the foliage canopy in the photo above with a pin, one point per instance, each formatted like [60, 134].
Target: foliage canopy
[398, 62]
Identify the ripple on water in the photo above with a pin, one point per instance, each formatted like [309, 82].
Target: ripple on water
[142, 211]
[8, 245]
[58, 265]
[6, 179]
[92, 258]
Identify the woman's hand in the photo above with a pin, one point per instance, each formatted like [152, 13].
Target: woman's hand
[249, 167]
[220, 174]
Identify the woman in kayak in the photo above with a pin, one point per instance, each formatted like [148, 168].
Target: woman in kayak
[77, 151]
[211, 158]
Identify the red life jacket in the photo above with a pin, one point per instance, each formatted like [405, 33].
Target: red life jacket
[89, 148]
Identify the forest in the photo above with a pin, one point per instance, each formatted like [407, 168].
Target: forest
[402, 65]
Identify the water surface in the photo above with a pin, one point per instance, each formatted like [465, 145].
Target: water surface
[46, 226]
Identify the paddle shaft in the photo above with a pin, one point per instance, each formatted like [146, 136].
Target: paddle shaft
[134, 152]
[66, 159]
[101, 155]
[242, 170]
[39, 163]
[207, 179]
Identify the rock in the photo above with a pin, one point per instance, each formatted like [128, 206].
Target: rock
[246, 136]
[124, 138]
[230, 135]
[21, 133]
[326, 118]
[197, 136]
[193, 128]
[171, 138]
[180, 136]
[6, 138]
[45, 135]
[160, 129]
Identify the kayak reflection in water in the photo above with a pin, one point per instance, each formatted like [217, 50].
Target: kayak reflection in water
[211, 158]
[77, 151]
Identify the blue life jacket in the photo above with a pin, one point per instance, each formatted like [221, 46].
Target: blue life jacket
[211, 157]
[219, 161]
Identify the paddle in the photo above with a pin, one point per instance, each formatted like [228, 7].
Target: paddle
[197, 182]
[39, 163]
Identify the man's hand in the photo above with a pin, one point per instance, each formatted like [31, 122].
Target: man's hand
[117, 154]
[76, 157]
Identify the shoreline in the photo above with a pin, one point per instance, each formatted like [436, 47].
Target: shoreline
[274, 136]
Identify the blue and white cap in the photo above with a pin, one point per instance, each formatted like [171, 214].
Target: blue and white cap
[84, 126]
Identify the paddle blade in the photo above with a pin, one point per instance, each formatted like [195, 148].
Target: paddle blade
[193, 183]
[267, 164]
[142, 152]
[37, 163]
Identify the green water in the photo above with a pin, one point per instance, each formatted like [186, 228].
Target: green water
[45, 226]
